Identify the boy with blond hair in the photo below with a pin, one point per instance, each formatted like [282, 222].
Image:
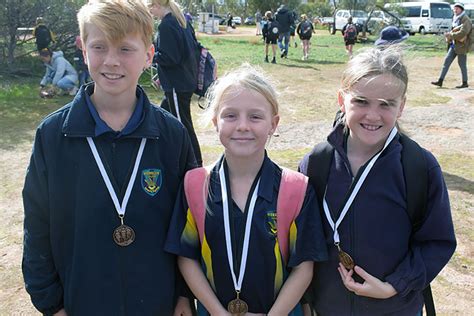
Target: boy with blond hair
[102, 182]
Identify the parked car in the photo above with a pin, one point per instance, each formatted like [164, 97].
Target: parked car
[358, 18]
[222, 20]
[250, 20]
[237, 20]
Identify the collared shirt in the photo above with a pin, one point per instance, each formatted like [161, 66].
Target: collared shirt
[263, 280]
[101, 127]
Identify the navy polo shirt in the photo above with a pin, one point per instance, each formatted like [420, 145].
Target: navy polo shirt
[117, 149]
[263, 278]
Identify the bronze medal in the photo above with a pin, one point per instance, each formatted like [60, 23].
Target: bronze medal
[123, 235]
[237, 307]
[345, 259]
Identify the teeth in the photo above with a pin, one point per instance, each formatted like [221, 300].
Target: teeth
[112, 76]
[371, 127]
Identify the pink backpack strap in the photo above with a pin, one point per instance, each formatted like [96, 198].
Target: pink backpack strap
[290, 200]
[196, 190]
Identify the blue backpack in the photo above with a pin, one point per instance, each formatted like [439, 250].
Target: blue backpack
[207, 70]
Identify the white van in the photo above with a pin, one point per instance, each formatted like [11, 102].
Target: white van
[427, 16]
[469, 9]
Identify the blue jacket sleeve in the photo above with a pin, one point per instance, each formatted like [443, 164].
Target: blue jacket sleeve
[433, 244]
[169, 48]
[46, 78]
[60, 67]
[41, 278]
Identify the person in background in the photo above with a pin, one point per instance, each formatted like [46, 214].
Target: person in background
[258, 23]
[59, 72]
[305, 31]
[349, 32]
[391, 35]
[42, 34]
[270, 35]
[102, 182]
[459, 40]
[80, 65]
[175, 56]
[285, 18]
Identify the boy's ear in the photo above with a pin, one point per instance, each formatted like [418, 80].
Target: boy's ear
[340, 100]
[149, 55]
[84, 54]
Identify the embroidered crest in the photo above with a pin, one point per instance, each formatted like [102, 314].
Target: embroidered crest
[272, 223]
[151, 181]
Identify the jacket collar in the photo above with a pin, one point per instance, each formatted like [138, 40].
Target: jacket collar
[80, 123]
[267, 180]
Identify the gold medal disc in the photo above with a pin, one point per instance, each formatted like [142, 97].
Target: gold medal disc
[237, 307]
[346, 260]
[123, 235]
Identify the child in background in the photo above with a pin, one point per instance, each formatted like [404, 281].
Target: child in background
[102, 182]
[243, 185]
[388, 260]
[349, 32]
[305, 31]
[270, 35]
[81, 67]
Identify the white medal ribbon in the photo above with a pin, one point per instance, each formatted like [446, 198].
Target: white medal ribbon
[355, 191]
[120, 208]
[248, 224]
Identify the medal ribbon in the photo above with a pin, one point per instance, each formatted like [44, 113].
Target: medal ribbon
[120, 208]
[354, 192]
[248, 224]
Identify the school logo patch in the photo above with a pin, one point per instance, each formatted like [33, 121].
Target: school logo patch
[271, 223]
[151, 181]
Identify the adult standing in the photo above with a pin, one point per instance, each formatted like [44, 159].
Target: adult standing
[258, 23]
[459, 40]
[285, 20]
[177, 66]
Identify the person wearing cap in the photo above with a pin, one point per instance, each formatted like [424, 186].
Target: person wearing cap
[391, 35]
[459, 40]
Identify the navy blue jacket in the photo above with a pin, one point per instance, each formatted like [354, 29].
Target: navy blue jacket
[285, 18]
[377, 233]
[70, 259]
[175, 55]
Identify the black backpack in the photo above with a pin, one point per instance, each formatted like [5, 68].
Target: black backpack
[305, 28]
[43, 36]
[415, 171]
[273, 30]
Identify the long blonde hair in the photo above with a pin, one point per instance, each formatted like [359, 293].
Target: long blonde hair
[175, 9]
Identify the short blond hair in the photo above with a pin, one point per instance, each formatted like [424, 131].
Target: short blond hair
[116, 19]
[241, 78]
